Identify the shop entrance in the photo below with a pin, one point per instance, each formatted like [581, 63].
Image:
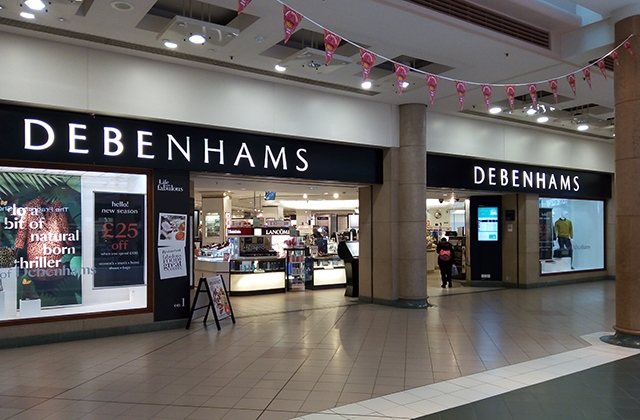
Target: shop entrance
[275, 237]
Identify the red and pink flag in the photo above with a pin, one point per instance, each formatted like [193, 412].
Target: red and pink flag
[511, 94]
[461, 88]
[572, 82]
[627, 45]
[331, 44]
[553, 85]
[291, 21]
[432, 84]
[614, 55]
[602, 67]
[242, 4]
[401, 75]
[533, 91]
[486, 94]
[367, 58]
[587, 76]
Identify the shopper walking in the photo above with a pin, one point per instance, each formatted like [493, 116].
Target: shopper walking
[444, 249]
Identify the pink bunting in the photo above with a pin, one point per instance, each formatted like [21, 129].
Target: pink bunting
[602, 67]
[587, 76]
[627, 45]
[553, 84]
[533, 92]
[401, 75]
[291, 21]
[511, 94]
[367, 58]
[572, 82]
[242, 4]
[486, 94]
[461, 88]
[331, 43]
[432, 84]
[614, 55]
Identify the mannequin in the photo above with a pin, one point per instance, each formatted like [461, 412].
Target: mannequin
[563, 231]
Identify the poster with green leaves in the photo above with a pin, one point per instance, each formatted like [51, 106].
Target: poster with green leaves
[40, 223]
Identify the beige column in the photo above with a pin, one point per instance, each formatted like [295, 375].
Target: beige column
[627, 187]
[412, 217]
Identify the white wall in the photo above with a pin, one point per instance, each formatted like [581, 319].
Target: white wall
[487, 140]
[38, 72]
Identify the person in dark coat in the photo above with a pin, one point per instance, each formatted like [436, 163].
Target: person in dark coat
[444, 249]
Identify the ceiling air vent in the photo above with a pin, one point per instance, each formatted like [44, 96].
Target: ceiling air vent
[488, 19]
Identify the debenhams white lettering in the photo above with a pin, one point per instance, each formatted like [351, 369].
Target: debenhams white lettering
[113, 145]
[517, 178]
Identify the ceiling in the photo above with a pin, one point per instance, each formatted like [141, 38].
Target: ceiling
[497, 42]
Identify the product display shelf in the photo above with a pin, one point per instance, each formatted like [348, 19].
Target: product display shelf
[296, 275]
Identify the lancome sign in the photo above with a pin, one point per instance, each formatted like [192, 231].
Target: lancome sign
[478, 174]
[48, 135]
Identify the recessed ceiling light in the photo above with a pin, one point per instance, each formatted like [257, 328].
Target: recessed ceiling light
[531, 111]
[197, 39]
[336, 195]
[280, 68]
[366, 85]
[27, 15]
[170, 44]
[583, 127]
[34, 4]
[543, 119]
[122, 6]
[405, 85]
[62, 19]
[495, 110]
[305, 196]
[1, 7]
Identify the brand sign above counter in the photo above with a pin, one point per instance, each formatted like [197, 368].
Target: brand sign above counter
[477, 174]
[44, 135]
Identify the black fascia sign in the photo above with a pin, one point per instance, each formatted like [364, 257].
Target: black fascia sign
[35, 134]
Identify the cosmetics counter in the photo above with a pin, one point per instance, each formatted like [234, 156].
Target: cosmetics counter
[255, 264]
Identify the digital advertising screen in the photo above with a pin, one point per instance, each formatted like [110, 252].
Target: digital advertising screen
[487, 224]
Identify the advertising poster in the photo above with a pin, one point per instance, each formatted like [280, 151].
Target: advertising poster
[40, 223]
[219, 297]
[546, 233]
[119, 239]
[172, 262]
[172, 229]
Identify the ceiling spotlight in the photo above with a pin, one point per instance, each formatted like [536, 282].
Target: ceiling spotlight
[34, 4]
[280, 68]
[531, 111]
[27, 15]
[542, 119]
[583, 127]
[197, 39]
[366, 85]
[305, 196]
[170, 44]
[495, 110]
[336, 195]
[405, 85]
[62, 19]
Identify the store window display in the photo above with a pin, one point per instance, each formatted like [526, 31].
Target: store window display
[571, 235]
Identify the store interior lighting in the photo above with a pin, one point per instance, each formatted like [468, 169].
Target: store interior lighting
[280, 68]
[197, 39]
[170, 44]
[27, 15]
[366, 85]
[495, 110]
[35, 4]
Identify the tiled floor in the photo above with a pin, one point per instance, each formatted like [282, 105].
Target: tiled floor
[283, 359]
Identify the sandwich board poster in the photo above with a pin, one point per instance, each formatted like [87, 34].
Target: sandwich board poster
[219, 297]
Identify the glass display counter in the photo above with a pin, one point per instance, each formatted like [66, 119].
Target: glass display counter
[256, 275]
[329, 271]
